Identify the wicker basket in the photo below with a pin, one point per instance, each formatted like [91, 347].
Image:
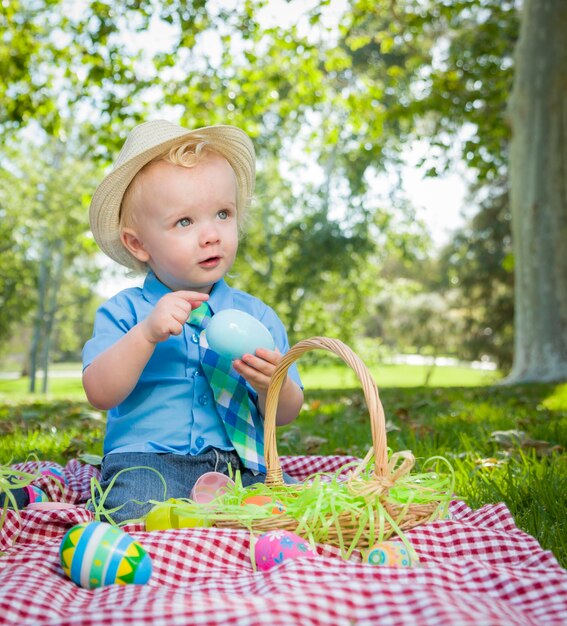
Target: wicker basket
[373, 485]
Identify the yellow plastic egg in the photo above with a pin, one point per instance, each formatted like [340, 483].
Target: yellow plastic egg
[164, 516]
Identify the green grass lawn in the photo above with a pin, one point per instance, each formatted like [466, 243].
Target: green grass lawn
[505, 444]
[340, 376]
[337, 376]
[17, 390]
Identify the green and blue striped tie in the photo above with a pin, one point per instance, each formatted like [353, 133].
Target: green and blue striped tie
[240, 416]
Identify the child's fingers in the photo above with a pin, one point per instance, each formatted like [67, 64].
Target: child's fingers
[180, 314]
[271, 356]
[196, 304]
[259, 365]
[176, 329]
[194, 298]
[182, 307]
[257, 379]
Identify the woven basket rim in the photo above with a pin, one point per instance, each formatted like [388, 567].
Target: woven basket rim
[347, 526]
[274, 474]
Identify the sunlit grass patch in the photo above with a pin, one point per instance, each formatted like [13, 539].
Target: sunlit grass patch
[340, 376]
[18, 389]
[52, 430]
[557, 398]
[532, 487]
[52, 446]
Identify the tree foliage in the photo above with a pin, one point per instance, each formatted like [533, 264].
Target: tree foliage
[44, 188]
[479, 265]
[332, 104]
[16, 274]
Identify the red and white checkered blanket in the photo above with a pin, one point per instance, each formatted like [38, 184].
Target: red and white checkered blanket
[477, 568]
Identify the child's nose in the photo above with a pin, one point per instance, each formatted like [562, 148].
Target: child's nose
[209, 234]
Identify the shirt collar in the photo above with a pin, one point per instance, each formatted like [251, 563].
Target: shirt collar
[220, 296]
[153, 289]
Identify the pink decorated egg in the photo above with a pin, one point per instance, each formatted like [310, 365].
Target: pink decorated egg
[389, 554]
[209, 486]
[277, 546]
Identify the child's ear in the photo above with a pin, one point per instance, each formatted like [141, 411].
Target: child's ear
[133, 244]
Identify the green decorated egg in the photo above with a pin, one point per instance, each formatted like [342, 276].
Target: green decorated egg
[96, 554]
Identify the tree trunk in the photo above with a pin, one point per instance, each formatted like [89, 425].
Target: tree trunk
[43, 279]
[538, 177]
[51, 311]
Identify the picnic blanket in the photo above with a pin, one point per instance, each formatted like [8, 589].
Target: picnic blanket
[475, 568]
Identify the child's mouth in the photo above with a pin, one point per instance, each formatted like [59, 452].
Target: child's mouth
[210, 262]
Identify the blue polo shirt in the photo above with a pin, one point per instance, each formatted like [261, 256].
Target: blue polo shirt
[172, 408]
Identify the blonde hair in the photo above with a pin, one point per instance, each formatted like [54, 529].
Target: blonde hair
[187, 154]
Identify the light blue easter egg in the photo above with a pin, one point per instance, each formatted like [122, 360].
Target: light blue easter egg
[233, 333]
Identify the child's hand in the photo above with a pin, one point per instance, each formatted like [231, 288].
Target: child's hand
[258, 368]
[170, 313]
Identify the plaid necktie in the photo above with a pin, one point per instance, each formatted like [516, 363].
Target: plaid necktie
[241, 419]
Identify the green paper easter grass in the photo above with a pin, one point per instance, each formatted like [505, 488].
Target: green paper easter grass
[324, 509]
[10, 480]
[99, 495]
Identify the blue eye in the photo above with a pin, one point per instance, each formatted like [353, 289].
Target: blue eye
[223, 215]
[184, 222]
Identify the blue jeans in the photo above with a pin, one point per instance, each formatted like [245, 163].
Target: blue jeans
[134, 487]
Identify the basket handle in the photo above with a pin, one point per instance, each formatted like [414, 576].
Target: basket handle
[274, 474]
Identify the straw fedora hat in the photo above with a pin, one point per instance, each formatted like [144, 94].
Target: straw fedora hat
[145, 142]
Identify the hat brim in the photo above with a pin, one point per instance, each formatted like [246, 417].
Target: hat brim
[155, 138]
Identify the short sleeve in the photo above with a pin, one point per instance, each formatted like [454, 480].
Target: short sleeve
[113, 320]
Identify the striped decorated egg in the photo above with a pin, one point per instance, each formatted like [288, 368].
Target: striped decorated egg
[96, 554]
[56, 474]
[35, 494]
